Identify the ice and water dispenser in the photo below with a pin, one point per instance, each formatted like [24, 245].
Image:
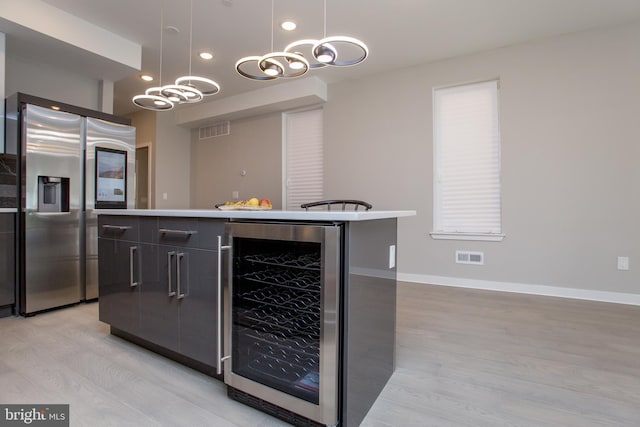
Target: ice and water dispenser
[53, 194]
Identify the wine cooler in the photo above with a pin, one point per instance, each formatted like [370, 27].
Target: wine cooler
[283, 318]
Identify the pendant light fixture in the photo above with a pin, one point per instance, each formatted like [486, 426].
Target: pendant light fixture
[272, 65]
[324, 51]
[193, 88]
[186, 89]
[152, 99]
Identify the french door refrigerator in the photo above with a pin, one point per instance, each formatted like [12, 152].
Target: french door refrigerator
[111, 139]
[55, 146]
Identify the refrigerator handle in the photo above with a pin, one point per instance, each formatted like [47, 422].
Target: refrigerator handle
[132, 252]
[179, 257]
[219, 358]
[170, 256]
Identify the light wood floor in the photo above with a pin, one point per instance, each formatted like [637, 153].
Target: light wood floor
[465, 358]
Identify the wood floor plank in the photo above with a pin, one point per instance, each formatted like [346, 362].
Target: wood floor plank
[464, 358]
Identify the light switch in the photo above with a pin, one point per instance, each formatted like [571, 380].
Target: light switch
[392, 256]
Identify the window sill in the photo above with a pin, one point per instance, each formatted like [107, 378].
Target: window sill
[437, 235]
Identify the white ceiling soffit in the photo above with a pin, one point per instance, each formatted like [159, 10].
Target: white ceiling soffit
[286, 96]
[66, 40]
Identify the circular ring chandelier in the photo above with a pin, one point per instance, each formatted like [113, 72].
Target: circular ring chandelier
[181, 93]
[203, 84]
[271, 66]
[243, 62]
[153, 102]
[187, 89]
[320, 53]
[297, 65]
[293, 47]
[326, 47]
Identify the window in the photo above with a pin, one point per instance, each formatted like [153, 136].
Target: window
[466, 127]
[304, 161]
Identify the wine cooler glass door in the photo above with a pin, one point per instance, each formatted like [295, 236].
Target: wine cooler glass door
[283, 320]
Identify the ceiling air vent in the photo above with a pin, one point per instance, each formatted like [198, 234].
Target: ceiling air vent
[466, 257]
[218, 129]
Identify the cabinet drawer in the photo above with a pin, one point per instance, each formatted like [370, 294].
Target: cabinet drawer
[198, 233]
[119, 227]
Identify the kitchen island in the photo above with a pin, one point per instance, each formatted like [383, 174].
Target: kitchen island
[305, 301]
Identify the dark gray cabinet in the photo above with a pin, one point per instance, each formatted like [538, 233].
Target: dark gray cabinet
[166, 286]
[120, 275]
[7, 263]
[198, 325]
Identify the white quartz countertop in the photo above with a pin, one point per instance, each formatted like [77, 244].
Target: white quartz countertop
[8, 210]
[263, 214]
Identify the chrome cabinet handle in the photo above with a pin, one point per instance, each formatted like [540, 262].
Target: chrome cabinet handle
[179, 257]
[117, 227]
[132, 251]
[180, 232]
[219, 357]
[170, 256]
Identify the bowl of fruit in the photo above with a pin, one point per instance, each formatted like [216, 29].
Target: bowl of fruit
[253, 204]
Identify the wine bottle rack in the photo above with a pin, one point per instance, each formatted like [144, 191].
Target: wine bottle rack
[304, 261]
[305, 280]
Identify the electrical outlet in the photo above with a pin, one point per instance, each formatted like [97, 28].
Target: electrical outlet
[623, 263]
[235, 195]
[165, 196]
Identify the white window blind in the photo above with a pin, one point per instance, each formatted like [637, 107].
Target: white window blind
[304, 158]
[467, 159]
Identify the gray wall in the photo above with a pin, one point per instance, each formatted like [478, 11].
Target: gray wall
[570, 160]
[255, 146]
[172, 163]
[28, 75]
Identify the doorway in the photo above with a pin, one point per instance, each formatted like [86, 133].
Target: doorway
[142, 177]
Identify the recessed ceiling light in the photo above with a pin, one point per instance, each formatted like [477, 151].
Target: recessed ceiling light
[146, 77]
[288, 25]
[206, 55]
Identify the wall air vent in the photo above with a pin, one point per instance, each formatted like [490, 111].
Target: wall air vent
[218, 129]
[466, 257]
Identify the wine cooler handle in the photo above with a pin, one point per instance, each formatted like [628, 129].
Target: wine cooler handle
[132, 252]
[179, 257]
[170, 256]
[219, 306]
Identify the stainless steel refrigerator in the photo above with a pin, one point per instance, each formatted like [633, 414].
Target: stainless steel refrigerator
[56, 145]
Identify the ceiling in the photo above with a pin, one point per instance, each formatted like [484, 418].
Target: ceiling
[398, 33]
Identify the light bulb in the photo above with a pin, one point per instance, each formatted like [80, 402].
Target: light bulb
[295, 64]
[271, 67]
[270, 70]
[325, 53]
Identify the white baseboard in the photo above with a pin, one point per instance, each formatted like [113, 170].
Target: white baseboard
[522, 288]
